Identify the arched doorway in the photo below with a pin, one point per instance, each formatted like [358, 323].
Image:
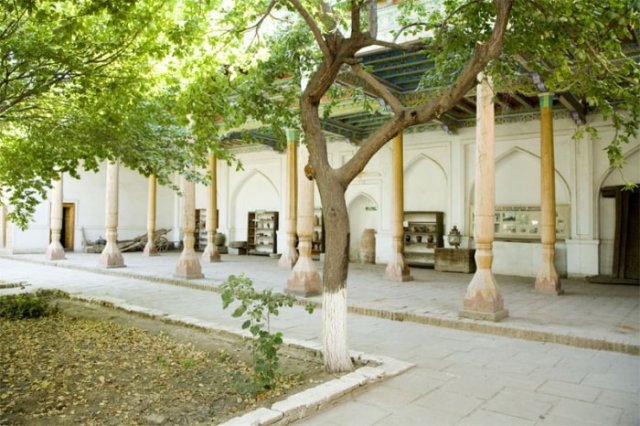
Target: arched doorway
[363, 214]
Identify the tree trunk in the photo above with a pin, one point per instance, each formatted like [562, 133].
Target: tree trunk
[336, 268]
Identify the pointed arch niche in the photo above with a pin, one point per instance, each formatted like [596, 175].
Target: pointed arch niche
[518, 185]
[425, 185]
[518, 180]
[363, 213]
[255, 192]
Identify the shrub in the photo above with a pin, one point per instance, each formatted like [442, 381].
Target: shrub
[21, 306]
[257, 308]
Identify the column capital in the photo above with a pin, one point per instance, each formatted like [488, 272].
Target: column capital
[546, 99]
[292, 135]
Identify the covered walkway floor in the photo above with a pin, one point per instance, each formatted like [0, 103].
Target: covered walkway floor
[460, 378]
[588, 315]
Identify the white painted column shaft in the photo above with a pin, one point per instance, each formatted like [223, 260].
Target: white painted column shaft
[290, 253]
[188, 265]
[111, 256]
[150, 247]
[397, 269]
[211, 253]
[55, 251]
[305, 279]
[483, 299]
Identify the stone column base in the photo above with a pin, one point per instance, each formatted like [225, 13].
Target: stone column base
[304, 284]
[286, 261]
[483, 299]
[211, 254]
[55, 251]
[188, 267]
[150, 249]
[547, 285]
[304, 279]
[111, 258]
[397, 269]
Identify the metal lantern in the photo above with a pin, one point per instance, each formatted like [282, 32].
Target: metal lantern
[454, 237]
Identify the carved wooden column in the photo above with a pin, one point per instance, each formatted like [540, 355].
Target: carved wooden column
[55, 251]
[188, 264]
[150, 247]
[211, 253]
[305, 279]
[547, 280]
[111, 256]
[397, 269]
[483, 299]
[290, 253]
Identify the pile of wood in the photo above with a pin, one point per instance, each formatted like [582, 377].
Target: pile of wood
[135, 244]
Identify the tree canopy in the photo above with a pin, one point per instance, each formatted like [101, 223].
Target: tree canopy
[84, 81]
[313, 53]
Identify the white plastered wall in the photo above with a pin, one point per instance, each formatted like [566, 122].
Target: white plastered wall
[88, 196]
[439, 175]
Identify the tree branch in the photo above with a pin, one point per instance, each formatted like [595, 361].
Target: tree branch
[378, 87]
[355, 18]
[372, 9]
[483, 54]
[313, 26]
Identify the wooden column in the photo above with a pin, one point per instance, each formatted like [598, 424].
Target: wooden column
[290, 253]
[483, 299]
[188, 264]
[305, 279]
[150, 247]
[547, 280]
[111, 256]
[211, 253]
[55, 251]
[397, 269]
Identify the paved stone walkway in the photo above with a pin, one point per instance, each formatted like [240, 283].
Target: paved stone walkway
[460, 378]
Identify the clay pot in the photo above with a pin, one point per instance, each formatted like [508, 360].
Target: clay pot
[368, 246]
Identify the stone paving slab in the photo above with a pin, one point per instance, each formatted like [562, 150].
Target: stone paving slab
[542, 384]
[587, 315]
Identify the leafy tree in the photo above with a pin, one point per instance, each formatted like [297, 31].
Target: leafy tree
[577, 46]
[87, 80]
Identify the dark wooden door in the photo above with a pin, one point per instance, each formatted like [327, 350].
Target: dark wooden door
[626, 246]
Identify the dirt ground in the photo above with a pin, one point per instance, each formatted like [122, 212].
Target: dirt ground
[94, 365]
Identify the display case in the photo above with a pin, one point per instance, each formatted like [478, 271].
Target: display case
[201, 229]
[513, 222]
[317, 238]
[423, 233]
[261, 232]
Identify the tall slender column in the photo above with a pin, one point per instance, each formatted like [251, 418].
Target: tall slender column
[483, 299]
[547, 280]
[111, 256]
[397, 269]
[150, 247]
[211, 253]
[188, 265]
[55, 251]
[304, 279]
[290, 254]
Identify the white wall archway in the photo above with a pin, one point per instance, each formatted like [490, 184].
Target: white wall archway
[255, 192]
[363, 213]
[425, 185]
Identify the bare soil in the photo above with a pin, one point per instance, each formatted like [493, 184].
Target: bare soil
[94, 365]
